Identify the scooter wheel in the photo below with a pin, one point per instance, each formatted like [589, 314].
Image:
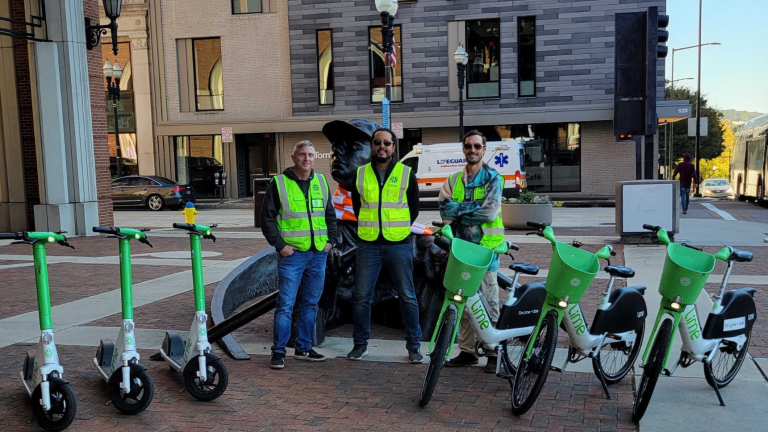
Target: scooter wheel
[214, 385]
[138, 399]
[62, 412]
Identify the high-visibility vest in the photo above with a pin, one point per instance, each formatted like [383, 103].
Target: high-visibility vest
[493, 232]
[386, 212]
[302, 218]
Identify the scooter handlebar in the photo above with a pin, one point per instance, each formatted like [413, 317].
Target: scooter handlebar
[106, 230]
[185, 226]
[11, 236]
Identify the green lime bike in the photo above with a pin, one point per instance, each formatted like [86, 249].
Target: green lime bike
[466, 267]
[571, 272]
[721, 345]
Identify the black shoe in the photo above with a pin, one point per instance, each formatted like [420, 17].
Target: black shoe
[463, 359]
[358, 352]
[277, 361]
[310, 355]
[490, 367]
[414, 356]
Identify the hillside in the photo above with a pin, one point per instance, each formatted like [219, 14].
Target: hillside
[739, 116]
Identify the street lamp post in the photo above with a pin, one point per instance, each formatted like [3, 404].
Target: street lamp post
[462, 58]
[93, 33]
[387, 9]
[113, 75]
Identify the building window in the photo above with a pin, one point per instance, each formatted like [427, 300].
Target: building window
[483, 68]
[126, 117]
[325, 66]
[376, 56]
[198, 158]
[209, 78]
[246, 6]
[526, 56]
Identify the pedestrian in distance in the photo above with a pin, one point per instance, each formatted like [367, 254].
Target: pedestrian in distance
[687, 172]
[386, 202]
[470, 200]
[298, 219]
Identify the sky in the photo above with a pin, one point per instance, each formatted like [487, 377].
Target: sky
[734, 75]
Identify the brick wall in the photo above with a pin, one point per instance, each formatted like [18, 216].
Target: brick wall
[99, 120]
[26, 114]
[440, 135]
[574, 44]
[603, 160]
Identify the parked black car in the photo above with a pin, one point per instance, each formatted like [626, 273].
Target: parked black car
[155, 193]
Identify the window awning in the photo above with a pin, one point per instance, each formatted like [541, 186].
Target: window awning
[670, 111]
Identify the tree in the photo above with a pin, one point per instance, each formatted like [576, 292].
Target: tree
[711, 146]
[720, 167]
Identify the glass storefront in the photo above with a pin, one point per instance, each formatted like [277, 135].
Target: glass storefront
[126, 118]
[198, 158]
[552, 153]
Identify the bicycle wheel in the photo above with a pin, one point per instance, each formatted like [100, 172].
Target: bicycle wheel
[615, 359]
[437, 356]
[532, 374]
[726, 364]
[512, 350]
[652, 370]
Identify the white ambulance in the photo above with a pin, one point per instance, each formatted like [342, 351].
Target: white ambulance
[433, 164]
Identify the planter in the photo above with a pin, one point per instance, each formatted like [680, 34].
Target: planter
[516, 216]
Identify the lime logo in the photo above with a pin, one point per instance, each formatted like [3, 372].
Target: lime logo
[394, 179]
[48, 353]
[316, 187]
[465, 275]
[575, 282]
[684, 281]
[129, 341]
[201, 332]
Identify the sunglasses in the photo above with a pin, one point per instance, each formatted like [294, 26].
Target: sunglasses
[468, 146]
[378, 143]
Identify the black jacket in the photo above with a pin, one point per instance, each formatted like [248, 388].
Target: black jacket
[271, 208]
[413, 200]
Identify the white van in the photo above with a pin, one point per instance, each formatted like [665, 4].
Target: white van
[433, 164]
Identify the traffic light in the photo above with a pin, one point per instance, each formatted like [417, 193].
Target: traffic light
[627, 137]
[662, 35]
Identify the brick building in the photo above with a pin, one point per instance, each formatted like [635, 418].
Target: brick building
[539, 70]
[54, 163]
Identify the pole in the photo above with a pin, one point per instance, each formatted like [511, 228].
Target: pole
[672, 81]
[387, 34]
[698, 108]
[115, 98]
[462, 76]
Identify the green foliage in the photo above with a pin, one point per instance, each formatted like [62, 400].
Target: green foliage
[526, 198]
[529, 197]
[711, 145]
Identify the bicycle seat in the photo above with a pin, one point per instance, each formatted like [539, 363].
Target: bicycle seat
[618, 271]
[741, 256]
[525, 268]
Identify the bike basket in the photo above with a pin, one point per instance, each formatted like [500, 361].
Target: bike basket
[570, 272]
[466, 267]
[685, 272]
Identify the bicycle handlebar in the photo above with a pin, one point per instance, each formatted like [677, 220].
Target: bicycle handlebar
[653, 228]
[536, 225]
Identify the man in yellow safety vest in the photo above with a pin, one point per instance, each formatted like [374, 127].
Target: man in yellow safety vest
[471, 200]
[298, 219]
[386, 202]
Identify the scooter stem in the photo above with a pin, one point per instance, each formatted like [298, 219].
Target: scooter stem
[197, 272]
[41, 280]
[126, 279]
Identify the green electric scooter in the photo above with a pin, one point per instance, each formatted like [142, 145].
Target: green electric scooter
[53, 403]
[131, 388]
[205, 376]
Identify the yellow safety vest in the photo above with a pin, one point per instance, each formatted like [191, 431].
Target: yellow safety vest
[493, 232]
[296, 223]
[386, 212]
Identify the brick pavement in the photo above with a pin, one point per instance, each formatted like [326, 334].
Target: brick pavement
[744, 211]
[334, 395]
[757, 267]
[68, 282]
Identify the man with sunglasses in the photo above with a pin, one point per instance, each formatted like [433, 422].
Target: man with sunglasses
[470, 200]
[386, 202]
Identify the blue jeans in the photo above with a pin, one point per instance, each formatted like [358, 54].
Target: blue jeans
[301, 274]
[398, 258]
[685, 196]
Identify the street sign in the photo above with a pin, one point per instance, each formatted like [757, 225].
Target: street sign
[702, 126]
[385, 112]
[397, 128]
[226, 135]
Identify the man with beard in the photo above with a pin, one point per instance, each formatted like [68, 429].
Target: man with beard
[471, 201]
[385, 198]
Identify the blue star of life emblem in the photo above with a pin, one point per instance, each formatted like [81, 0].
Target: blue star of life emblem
[501, 159]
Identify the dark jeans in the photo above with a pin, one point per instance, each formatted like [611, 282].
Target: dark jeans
[398, 258]
[300, 274]
[685, 196]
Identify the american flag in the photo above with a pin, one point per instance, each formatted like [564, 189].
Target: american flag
[393, 56]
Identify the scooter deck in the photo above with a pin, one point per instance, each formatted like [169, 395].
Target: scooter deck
[175, 362]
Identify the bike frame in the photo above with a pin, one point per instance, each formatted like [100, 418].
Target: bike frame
[585, 343]
[688, 324]
[480, 320]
